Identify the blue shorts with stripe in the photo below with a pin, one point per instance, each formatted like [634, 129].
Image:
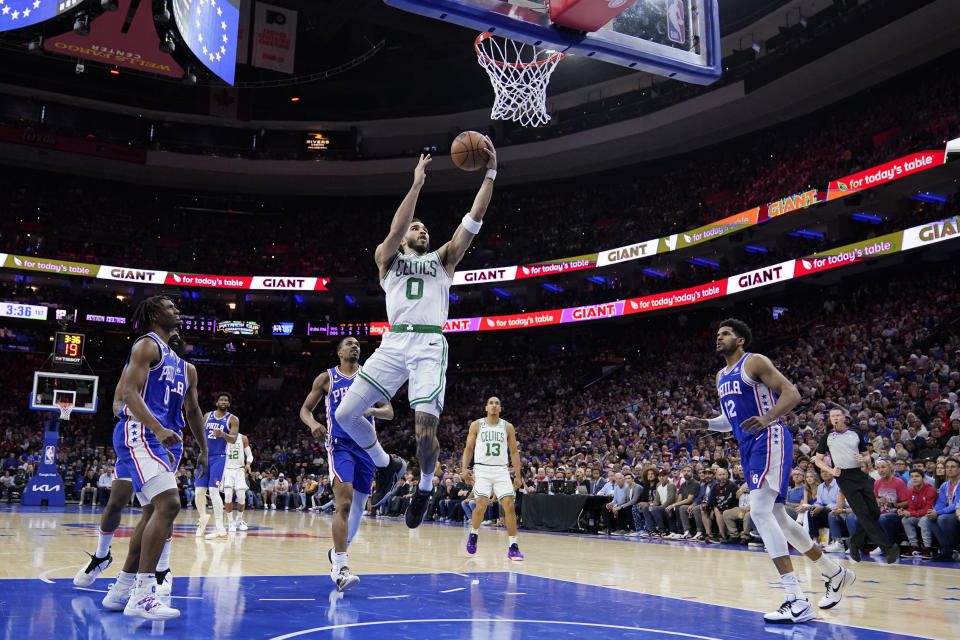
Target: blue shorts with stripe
[140, 456]
[212, 476]
[768, 456]
[350, 463]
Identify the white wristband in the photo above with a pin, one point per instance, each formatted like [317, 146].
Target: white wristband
[491, 173]
[471, 225]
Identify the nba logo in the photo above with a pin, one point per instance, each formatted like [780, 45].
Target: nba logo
[48, 454]
[676, 21]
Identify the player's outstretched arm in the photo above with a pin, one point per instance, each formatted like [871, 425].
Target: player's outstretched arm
[194, 416]
[317, 391]
[142, 356]
[387, 249]
[468, 452]
[452, 252]
[760, 368]
[514, 457]
[719, 423]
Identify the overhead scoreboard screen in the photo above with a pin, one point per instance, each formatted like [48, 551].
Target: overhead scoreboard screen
[209, 28]
[17, 14]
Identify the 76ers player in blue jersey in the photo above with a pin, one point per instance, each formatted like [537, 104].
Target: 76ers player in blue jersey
[221, 427]
[754, 397]
[156, 385]
[351, 467]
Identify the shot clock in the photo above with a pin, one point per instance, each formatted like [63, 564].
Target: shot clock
[68, 349]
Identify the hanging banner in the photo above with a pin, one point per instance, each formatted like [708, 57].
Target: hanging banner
[274, 37]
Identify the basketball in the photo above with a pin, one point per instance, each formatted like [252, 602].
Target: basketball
[466, 151]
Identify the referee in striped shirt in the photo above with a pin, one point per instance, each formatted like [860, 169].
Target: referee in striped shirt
[846, 448]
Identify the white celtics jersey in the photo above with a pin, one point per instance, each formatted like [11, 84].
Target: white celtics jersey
[235, 457]
[418, 290]
[491, 447]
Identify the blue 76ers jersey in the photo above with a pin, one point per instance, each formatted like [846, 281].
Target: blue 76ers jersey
[175, 419]
[339, 384]
[768, 452]
[165, 384]
[217, 446]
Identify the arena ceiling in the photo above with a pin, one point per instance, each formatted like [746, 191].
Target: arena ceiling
[420, 67]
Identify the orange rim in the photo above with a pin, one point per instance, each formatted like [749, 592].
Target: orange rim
[517, 65]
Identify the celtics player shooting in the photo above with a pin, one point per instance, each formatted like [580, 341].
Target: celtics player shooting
[417, 283]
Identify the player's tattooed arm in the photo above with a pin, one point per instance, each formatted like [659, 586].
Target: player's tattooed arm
[319, 389]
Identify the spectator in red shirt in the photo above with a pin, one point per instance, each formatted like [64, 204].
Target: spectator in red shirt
[922, 497]
[892, 494]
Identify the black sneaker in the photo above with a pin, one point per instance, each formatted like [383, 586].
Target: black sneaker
[855, 552]
[92, 571]
[417, 508]
[892, 554]
[387, 478]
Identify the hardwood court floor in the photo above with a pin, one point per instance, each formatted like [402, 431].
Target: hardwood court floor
[272, 582]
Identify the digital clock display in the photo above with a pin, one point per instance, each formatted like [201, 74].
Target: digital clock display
[68, 348]
[23, 311]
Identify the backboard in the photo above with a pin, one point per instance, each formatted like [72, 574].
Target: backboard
[49, 387]
[674, 38]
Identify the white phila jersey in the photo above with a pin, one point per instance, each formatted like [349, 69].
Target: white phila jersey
[235, 456]
[418, 290]
[491, 447]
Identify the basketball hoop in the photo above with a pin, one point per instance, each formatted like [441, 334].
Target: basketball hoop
[519, 73]
[66, 406]
[65, 401]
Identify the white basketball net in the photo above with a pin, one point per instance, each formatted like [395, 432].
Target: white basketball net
[519, 73]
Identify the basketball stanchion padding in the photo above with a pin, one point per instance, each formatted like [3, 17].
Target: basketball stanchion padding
[519, 73]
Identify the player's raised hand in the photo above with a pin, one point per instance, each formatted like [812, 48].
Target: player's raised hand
[691, 423]
[490, 151]
[420, 173]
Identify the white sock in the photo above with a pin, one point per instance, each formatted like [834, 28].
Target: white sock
[475, 532]
[240, 516]
[230, 517]
[791, 585]
[339, 561]
[426, 481]
[103, 544]
[127, 578]
[827, 566]
[163, 564]
[145, 580]
[512, 540]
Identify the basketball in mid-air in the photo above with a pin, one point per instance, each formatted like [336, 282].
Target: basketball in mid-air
[467, 151]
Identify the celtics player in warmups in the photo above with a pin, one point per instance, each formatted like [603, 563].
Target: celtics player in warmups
[237, 466]
[417, 283]
[351, 467]
[487, 443]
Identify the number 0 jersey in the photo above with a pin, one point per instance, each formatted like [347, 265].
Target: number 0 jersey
[418, 290]
[491, 447]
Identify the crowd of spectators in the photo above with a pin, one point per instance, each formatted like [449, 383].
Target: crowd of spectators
[88, 221]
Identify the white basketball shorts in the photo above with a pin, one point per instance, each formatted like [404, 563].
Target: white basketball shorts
[235, 479]
[490, 481]
[420, 358]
